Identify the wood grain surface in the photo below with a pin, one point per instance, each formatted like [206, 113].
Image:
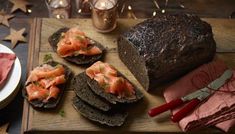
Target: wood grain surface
[138, 120]
[224, 34]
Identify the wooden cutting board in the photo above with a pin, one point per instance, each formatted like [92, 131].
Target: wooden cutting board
[138, 120]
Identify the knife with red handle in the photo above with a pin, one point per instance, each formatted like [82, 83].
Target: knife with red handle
[174, 104]
[185, 110]
[165, 107]
[193, 99]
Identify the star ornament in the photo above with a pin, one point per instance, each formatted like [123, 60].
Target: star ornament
[3, 129]
[16, 36]
[4, 18]
[19, 4]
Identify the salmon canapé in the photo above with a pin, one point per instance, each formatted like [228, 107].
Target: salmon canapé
[108, 78]
[43, 81]
[74, 42]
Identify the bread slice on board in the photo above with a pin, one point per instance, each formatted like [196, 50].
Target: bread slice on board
[80, 59]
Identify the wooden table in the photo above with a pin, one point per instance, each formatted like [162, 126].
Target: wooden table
[13, 112]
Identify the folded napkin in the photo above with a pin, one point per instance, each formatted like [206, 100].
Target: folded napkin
[218, 109]
[6, 62]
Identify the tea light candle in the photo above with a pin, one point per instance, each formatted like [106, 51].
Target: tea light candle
[58, 3]
[59, 9]
[104, 15]
[104, 4]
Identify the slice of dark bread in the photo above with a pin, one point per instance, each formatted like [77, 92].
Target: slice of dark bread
[52, 103]
[106, 118]
[96, 88]
[80, 59]
[83, 91]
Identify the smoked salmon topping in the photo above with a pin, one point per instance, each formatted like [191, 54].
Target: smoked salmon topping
[120, 86]
[74, 42]
[46, 83]
[43, 81]
[45, 71]
[101, 68]
[107, 77]
[36, 92]
[53, 92]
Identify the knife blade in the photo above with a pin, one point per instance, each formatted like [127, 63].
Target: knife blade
[215, 85]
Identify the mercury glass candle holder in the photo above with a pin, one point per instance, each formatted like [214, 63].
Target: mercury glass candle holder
[104, 15]
[60, 9]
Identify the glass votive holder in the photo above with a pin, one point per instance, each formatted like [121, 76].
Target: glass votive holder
[104, 15]
[83, 7]
[60, 9]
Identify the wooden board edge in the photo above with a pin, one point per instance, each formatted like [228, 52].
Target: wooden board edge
[33, 51]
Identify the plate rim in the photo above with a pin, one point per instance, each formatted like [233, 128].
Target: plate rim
[14, 88]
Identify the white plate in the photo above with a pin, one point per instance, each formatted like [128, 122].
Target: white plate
[9, 90]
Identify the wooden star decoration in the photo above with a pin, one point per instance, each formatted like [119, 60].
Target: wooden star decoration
[19, 4]
[16, 36]
[3, 129]
[4, 18]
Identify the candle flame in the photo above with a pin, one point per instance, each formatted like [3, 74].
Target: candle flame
[129, 7]
[58, 16]
[29, 11]
[182, 6]
[163, 11]
[80, 10]
[102, 4]
[61, 2]
[154, 13]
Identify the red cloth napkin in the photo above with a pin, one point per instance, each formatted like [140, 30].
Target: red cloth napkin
[218, 109]
[6, 62]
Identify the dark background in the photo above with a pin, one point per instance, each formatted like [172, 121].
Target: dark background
[145, 8]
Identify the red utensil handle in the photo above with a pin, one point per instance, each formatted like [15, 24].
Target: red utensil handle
[185, 110]
[170, 105]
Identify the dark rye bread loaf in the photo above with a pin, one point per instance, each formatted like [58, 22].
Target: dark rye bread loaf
[110, 118]
[96, 88]
[52, 103]
[80, 59]
[83, 91]
[165, 47]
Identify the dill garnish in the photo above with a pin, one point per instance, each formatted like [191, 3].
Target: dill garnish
[47, 58]
[62, 113]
